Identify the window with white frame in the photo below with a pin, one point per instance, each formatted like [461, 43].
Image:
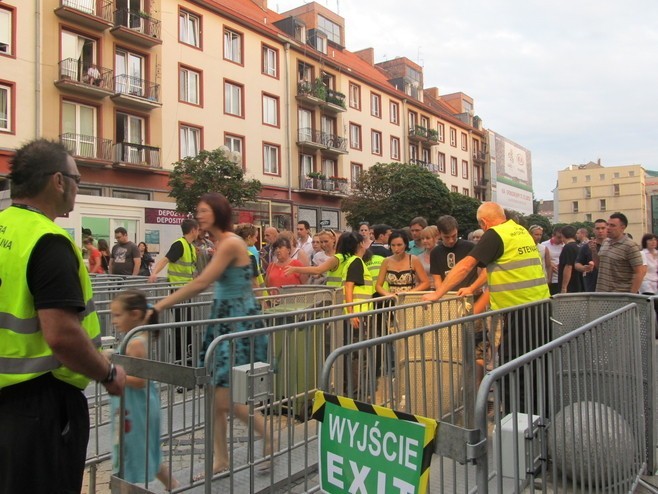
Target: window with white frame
[6, 31]
[442, 162]
[189, 28]
[394, 108]
[413, 153]
[232, 46]
[233, 99]
[270, 110]
[190, 141]
[574, 206]
[328, 167]
[270, 61]
[453, 137]
[441, 129]
[413, 119]
[356, 169]
[602, 205]
[588, 192]
[376, 142]
[464, 169]
[189, 83]
[235, 144]
[355, 96]
[79, 129]
[424, 122]
[375, 105]
[464, 142]
[305, 164]
[395, 148]
[271, 159]
[453, 166]
[615, 190]
[426, 157]
[5, 108]
[355, 136]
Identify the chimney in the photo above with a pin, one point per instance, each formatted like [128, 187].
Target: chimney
[367, 55]
[432, 92]
[261, 3]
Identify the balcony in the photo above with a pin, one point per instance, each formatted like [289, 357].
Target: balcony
[423, 134]
[92, 14]
[136, 156]
[77, 76]
[317, 94]
[136, 93]
[136, 26]
[480, 156]
[334, 185]
[316, 139]
[88, 150]
[432, 167]
[480, 183]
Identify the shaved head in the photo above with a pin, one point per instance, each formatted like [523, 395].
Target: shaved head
[492, 213]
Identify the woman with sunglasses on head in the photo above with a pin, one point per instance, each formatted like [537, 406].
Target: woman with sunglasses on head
[333, 266]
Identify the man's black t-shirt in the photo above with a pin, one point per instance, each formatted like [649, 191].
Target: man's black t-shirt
[175, 252]
[568, 257]
[52, 274]
[443, 259]
[488, 249]
[379, 250]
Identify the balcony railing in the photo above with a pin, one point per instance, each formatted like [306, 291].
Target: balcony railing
[326, 185]
[89, 74]
[479, 156]
[320, 91]
[137, 154]
[139, 88]
[138, 21]
[423, 133]
[322, 139]
[480, 182]
[87, 147]
[96, 14]
[432, 167]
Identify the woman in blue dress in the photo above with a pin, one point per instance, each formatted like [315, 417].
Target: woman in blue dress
[230, 269]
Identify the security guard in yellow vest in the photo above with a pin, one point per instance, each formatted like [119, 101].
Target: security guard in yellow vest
[49, 330]
[181, 256]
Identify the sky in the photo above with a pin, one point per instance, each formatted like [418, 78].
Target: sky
[572, 81]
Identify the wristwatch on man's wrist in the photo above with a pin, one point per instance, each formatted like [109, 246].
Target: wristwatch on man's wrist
[112, 373]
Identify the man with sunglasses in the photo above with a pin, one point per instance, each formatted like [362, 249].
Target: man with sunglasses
[49, 330]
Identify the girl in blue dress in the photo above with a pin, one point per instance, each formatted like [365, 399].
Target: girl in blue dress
[230, 269]
[141, 452]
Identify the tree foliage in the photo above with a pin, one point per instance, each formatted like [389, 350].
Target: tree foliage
[210, 171]
[394, 193]
[464, 209]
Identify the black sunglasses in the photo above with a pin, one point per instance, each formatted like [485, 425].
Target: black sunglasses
[72, 176]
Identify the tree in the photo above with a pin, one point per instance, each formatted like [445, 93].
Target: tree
[394, 193]
[464, 210]
[210, 171]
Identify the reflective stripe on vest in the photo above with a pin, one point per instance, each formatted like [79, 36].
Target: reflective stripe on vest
[360, 292]
[182, 271]
[517, 277]
[24, 353]
[335, 276]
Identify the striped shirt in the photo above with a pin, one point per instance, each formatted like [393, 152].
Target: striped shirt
[617, 260]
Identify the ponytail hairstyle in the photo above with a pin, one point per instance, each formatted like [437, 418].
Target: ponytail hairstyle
[136, 300]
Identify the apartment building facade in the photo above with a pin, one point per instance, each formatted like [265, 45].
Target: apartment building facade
[132, 86]
[590, 191]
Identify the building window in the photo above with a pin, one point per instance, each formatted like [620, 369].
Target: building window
[233, 99]
[394, 108]
[355, 136]
[130, 74]
[602, 205]
[464, 169]
[466, 192]
[331, 29]
[232, 46]
[574, 206]
[588, 216]
[271, 154]
[395, 148]
[375, 105]
[305, 164]
[574, 179]
[441, 129]
[78, 57]
[631, 173]
[190, 141]
[6, 31]
[454, 188]
[616, 175]
[426, 155]
[424, 122]
[270, 61]
[464, 142]
[189, 85]
[588, 178]
[356, 169]
[6, 108]
[615, 189]
[588, 192]
[130, 134]
[329, 167]
[235, 144]
[442, 162]
[355, 96]
[376, 142]
[270, 110]
[602, 176]
[412, 120]
[189, 28]
[453, 137]
[453, 166]
[413, 153]
[79, 130]
[304, 72]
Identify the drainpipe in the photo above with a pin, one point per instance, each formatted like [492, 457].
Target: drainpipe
[405, 130]
[37, 69]
[286, 47]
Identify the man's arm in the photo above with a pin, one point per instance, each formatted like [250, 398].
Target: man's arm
[638, 276]
[159, 266]
[454, 278]
[479, 282]
[566, 278]
[110, 268]
[137, 262]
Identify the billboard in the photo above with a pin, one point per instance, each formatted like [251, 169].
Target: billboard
[511, 174]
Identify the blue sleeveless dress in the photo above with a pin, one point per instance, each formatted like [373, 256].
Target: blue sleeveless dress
[135, 440]
[234, 298]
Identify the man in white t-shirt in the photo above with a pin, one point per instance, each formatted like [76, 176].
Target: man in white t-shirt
[304, 239]
[554, 246]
